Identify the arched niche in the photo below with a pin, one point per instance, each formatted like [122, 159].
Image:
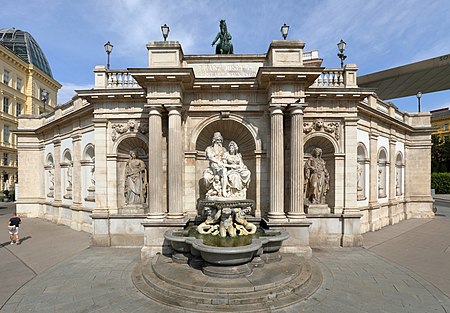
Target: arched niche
[89, 152]
[88, 173]
[49, 169]
[363, 170]
[329, 155]
[399, 174]
[231, 129]
[67, 174]
[382, 172]
[128, 143]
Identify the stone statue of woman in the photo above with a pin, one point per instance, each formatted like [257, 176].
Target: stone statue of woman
[316, 178]
[238, 175]
[135, 180]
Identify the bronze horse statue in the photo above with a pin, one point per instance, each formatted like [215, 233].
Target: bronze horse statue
[224, 46]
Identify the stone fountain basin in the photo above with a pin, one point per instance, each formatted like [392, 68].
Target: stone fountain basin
[179, 241]
[228, 256]
[272, 243]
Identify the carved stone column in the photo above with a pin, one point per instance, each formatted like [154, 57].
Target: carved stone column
[175, 164]
[276, 210]
[155, 164]
[296, 209]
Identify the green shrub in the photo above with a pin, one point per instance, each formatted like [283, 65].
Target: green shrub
[440, 182]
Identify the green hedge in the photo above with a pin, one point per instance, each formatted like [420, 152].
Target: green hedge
[440, 182]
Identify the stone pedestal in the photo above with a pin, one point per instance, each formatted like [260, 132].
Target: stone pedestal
[133, 209]
[351, 230]
[154, 241]
[318, 209]
[91, 194]
[298, 241]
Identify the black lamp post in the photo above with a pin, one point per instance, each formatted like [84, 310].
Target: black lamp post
[341, 46]
[108, 48]
[418, 95]
[284, 31]
[44, 97]
[165, 31]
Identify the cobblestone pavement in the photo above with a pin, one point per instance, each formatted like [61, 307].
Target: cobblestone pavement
[368, 279]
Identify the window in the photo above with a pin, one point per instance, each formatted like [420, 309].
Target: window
[19, 84]
[446, 139]
[5, 104]
[6, 134]
[6, 77]
[18, 109]
[5, 158]
[445, 126]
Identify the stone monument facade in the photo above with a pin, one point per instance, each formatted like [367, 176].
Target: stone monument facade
[314, 154]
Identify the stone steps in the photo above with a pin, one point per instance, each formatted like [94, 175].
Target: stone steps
[274, 286]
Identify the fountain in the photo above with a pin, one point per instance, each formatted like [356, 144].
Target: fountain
[226, 262]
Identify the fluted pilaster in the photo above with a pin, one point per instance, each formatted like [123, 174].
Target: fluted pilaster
[276, 210]
[296, 209]
[76, 139]
[175, 164]
[57, 158]
[373, 178]
[155, 164]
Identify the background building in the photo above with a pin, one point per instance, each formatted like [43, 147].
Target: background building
[440, 119]
[25, 74]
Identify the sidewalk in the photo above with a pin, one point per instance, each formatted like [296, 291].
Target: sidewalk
[402, 268]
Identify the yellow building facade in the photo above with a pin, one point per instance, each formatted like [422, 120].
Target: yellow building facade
[24, 76]
[440, 120]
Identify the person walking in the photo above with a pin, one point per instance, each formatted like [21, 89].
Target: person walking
[13, 227]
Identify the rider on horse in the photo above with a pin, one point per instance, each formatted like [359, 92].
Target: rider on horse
[224, 46]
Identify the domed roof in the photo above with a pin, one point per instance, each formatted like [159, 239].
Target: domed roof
[26, 47]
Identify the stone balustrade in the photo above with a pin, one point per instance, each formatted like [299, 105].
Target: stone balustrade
[113, 79]
[330, 78]
[121, 79]
[337, 77]
[310, 55]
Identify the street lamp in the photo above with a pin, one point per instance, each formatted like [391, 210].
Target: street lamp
[418, 95]
[284, 31]
[165, 31]
[44, 97]
[108, 48]
[341, 46]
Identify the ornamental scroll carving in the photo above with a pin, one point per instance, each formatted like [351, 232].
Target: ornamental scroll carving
[133, 126]
[319, 125]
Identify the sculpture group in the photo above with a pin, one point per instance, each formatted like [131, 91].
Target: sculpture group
[227, 176]
[226, 182]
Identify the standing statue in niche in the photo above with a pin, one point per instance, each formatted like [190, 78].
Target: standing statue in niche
[224, 37]
[51, 178]
[135, 180]
[316, 178]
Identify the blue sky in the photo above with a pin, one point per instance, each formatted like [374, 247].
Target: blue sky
[379, 34]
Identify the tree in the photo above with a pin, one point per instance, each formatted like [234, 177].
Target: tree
[440, 155]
